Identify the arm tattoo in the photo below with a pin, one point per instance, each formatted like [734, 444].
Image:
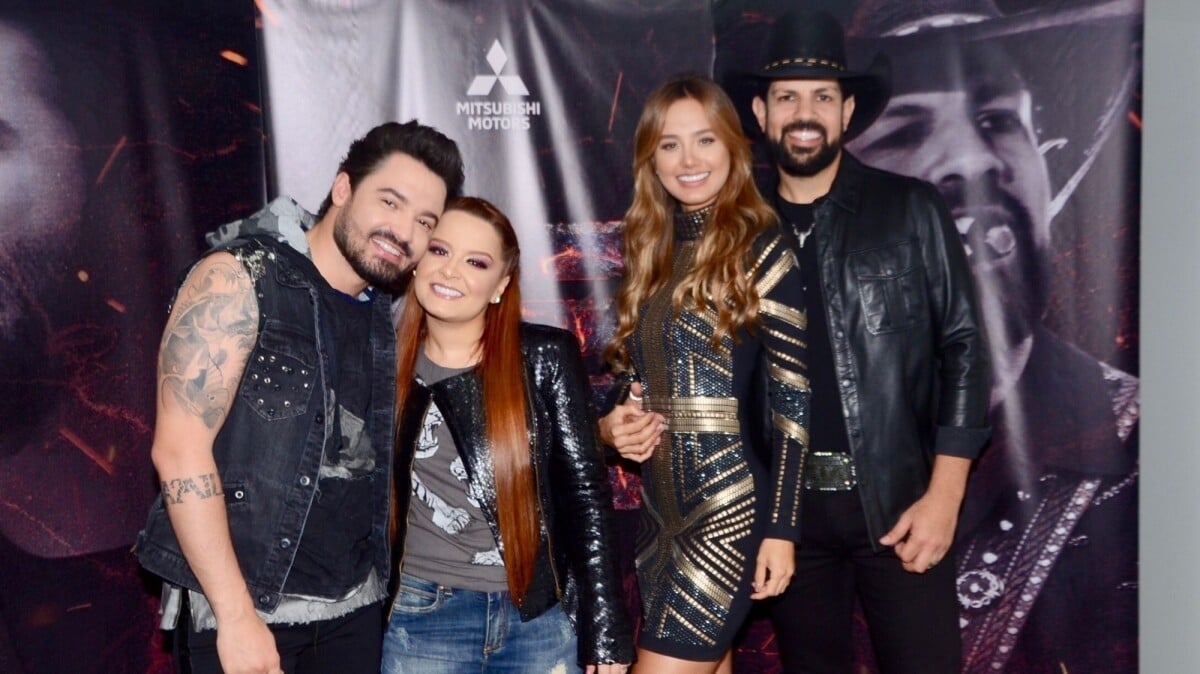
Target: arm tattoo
[203, 486]
[206, 343]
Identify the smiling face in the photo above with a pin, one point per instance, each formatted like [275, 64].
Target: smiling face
[690, 160]
[973, 138]
[462, 272]
[803, 121]
[382, 226]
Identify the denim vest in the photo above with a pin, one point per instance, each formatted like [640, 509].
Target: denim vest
[271, 446]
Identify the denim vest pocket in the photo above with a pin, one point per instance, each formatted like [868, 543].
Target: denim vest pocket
[237, 497]
[281, 374]
[891, 285]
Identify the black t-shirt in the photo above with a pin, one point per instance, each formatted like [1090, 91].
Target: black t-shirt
[827, 427]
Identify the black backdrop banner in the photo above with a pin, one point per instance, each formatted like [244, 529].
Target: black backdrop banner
[150, 132]
[1042, 180]
[127, 129]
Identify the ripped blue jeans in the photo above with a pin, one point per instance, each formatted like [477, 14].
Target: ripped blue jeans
[440, 630]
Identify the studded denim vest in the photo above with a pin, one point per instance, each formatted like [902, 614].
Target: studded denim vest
[270, 448]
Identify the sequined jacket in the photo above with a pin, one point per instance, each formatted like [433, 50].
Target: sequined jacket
[576, 562]
[908, 345]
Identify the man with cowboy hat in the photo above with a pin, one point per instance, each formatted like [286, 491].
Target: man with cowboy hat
[1046, 554]
[897, 362]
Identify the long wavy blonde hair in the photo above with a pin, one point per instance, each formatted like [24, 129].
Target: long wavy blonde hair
[719, 275]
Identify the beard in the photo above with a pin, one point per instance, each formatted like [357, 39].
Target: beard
[354, 248]
[808, 164]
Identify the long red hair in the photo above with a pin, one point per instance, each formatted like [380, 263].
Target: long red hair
[501, 371]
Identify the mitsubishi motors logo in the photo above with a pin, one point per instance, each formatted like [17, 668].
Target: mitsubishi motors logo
[483, 84]
[489, 115]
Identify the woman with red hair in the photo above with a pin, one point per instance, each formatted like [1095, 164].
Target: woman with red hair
[502, 522]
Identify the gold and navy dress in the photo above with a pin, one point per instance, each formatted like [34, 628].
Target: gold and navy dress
[727, 471]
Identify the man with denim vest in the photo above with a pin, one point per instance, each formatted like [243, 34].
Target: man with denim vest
[897, 362]
[273, 438]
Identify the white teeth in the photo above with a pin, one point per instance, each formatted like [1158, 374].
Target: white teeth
[807, 134]
[964, 224]
[446, 291]
[999, 238]
[693, 178]
[388, 247]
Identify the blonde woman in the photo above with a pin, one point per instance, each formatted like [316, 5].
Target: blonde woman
[710, 340]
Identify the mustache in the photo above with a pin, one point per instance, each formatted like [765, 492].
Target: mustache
[985, 191]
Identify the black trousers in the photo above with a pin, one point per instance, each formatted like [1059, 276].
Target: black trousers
[352, 644]
[912, 618]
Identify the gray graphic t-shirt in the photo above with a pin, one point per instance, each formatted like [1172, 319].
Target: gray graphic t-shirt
[448, 541]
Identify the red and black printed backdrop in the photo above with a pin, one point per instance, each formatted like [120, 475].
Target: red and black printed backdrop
[167, 109]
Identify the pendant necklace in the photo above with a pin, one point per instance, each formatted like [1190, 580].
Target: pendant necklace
[802, 236]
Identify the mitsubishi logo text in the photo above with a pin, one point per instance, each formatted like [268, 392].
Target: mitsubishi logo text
[492, 115]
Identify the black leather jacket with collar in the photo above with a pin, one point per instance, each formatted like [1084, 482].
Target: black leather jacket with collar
[577, 560]
[908, 345]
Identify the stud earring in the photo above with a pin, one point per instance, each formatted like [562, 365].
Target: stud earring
[496, 299]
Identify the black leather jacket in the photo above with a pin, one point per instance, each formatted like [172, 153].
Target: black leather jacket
[576, 563]
[907, 339]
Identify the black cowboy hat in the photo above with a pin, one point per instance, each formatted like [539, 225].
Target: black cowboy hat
[885, 20]
[809, 44]
[1041, 43]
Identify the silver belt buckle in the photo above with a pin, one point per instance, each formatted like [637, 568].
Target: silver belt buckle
[829, 471]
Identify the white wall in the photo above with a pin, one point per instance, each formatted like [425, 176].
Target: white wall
[1170, 341]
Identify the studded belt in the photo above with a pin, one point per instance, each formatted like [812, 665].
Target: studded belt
[829, 471]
